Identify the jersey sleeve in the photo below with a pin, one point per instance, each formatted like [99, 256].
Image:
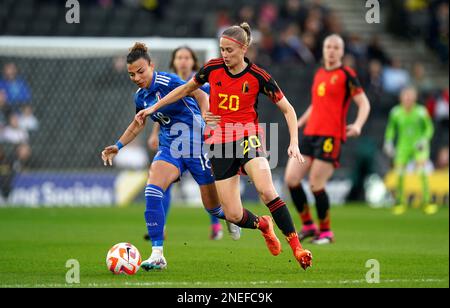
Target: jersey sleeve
[271, 89]
[353, 83]
[202, 75]
[206, 88]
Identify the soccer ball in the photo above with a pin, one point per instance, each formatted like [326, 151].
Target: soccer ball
[123, 258]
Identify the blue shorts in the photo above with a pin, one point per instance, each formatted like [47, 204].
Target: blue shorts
[199, 167]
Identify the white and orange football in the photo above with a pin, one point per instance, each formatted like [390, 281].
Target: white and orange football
[123, 258]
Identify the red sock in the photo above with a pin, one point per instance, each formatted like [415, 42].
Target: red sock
[306, 217]
[293, 241]
[325, 224]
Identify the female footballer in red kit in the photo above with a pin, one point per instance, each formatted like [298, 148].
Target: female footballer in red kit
[235, 85]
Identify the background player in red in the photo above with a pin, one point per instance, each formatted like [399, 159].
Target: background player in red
[235, 85]
[333, 89]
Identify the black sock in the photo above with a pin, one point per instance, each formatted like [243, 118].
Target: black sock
[298, 197]
[301, 204]
[323, 207]
[249, 220]
[280, 214]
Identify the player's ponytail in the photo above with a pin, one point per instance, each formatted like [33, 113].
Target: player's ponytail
[248, 31]
[138, 51]
[241, 34]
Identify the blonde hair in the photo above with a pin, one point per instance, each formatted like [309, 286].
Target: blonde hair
[241, 34]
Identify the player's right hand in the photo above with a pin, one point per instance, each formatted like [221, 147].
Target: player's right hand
[211, 119]
[108, 154]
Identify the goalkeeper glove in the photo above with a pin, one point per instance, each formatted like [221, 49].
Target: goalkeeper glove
[389, 149]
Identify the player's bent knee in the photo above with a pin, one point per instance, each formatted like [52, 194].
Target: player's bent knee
[268, 194]
[292, 181]
[234, 217]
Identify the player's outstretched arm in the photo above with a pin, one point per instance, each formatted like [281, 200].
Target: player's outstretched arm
[291, 119]
[130, 133]
[361, 100]
[170, 98]
[202, 99]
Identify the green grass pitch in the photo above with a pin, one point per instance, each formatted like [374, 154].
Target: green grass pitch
[412, 250]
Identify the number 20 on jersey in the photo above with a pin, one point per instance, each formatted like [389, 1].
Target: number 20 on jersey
[229, 102]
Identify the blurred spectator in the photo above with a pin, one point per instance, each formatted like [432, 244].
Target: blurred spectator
[288, 48]
[395, 77]
[17, 90]
[420, 79]
[442, 159]
[155, 6]
[294, 11]
[27, 120]
[356, 47]
[247, 14]
[6, 174]
[23, 155]
[269, 13]
[373, 84]
[13, 133]
[5, 110]
[438, 108]
[310, 42]
[332, 24]
[438, 34]
[223, 21]
[376, 52]
[115, 75]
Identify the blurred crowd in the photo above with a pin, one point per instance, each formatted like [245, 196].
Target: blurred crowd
[423, 19]
[17, 123]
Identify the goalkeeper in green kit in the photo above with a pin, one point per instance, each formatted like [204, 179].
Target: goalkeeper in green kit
[411, 125]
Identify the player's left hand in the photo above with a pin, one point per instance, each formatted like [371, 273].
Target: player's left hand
[353, 130]
[294, 152]
[421, 145]
[141, 115]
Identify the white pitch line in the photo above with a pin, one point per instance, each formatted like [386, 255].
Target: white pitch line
[227, 283]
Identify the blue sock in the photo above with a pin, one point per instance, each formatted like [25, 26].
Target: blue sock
[214, 220]
[166, 200]
[216, 214]
[154, 214]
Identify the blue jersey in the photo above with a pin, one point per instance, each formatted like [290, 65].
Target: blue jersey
[181, 123]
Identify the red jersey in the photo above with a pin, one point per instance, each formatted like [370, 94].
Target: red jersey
[332, 92]
[235, 98]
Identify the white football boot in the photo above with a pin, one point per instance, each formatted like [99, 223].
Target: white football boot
[155, 262]
[234, 231]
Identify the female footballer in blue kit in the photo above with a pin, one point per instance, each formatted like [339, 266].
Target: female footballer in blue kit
[180, 146]
[184, 63]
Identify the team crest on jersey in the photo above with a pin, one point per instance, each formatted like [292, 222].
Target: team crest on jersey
[158, 96]
[245, 87]
[334, 79]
